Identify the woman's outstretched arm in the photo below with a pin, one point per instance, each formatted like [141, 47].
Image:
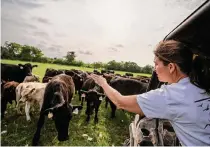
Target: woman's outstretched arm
[128, 103]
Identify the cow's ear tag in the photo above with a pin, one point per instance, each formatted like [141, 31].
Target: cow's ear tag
[100, 98]
[50, 115]
[83, 95]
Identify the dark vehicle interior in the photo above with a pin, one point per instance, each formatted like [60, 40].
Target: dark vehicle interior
[195, 32]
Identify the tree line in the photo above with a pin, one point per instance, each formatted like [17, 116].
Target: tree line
[15, 51]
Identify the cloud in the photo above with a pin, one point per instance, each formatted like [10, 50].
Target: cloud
[18, 23]
[57, 46]
[119, 45]
[60, 35]
[28, 3]
[53, 49]
[114, 49]
[41, 34]
[85, 52]
[42, 20]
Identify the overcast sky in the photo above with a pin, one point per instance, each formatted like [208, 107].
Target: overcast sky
[97, 30]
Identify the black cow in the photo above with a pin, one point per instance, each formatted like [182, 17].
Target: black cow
[50, 72]
[96, 72]
[17, 73]
[78, 80]
[57, 98]
[129, 74]
[111, 71]
[126, 87]
[87, 85]
[93, 98]
[103, 71]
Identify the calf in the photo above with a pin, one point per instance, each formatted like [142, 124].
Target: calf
[7, 95]
[126, 87]
[57, 98]
[87, 85]
[78, 80]
[30, 93]
[46, 79]
[93, 98]
[33, 78]
[16, 73]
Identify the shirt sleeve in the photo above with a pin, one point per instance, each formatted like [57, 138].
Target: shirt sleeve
[154, 103]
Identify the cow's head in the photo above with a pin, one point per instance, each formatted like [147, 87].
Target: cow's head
[61, 113]
[26, 93]
[93, 98]
[27, 68]
[78, 80]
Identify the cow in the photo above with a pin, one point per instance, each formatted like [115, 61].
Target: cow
[46, 79]
[33, 78]
[126, 87]
[96, 72]
[17, 73]
[129, 74]
[78, 80]
[57, 104]
[93, 98]
[119, 75]
[87, 85]
[30, 93]
[7, 95]
[50, 72]
[110, 71]
[103, 71]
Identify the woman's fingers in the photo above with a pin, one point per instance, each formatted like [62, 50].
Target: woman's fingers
[98, 79]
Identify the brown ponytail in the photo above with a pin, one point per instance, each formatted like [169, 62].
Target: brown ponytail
[200, 73]
[171, 51]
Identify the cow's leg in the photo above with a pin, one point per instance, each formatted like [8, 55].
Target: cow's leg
[40, 105]
[113, 109]
[18, 107]
[88, 118]
[3, 107]
[106, 104]
[82, 101]
[79, 95]
[27, 109]
[96, 115]
[38, 130]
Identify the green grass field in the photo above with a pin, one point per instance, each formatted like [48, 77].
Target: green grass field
[20, 132]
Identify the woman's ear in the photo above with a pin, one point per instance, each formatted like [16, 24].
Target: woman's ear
[172, 67]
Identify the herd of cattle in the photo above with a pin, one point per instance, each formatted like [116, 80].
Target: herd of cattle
[56, 90]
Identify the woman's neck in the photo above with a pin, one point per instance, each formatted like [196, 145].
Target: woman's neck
[177, 78]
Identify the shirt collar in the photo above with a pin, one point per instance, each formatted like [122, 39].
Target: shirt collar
[184, 80]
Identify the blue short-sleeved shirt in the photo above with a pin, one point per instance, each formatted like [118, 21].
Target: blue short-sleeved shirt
[185, 106]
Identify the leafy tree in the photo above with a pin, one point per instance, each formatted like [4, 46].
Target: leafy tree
[70, 57]
[147, 69]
